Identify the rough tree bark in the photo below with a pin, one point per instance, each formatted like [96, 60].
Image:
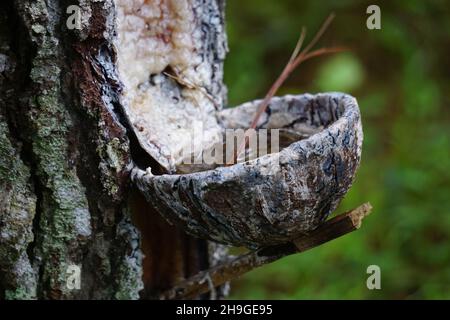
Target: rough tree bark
[65, 155]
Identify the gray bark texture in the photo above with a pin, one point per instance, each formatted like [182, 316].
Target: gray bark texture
[66, 151]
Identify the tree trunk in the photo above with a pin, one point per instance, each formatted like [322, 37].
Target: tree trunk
[66, 150]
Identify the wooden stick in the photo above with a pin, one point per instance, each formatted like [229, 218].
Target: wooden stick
[206, 280]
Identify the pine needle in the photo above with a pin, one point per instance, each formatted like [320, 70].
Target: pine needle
[298, 56]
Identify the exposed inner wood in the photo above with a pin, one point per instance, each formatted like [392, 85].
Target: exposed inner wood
[169, 74]
[170, 254]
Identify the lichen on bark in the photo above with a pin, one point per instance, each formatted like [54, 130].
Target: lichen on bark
[17, 209]
[64, 214]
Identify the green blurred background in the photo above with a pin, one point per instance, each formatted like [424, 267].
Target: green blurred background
[401, 78]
